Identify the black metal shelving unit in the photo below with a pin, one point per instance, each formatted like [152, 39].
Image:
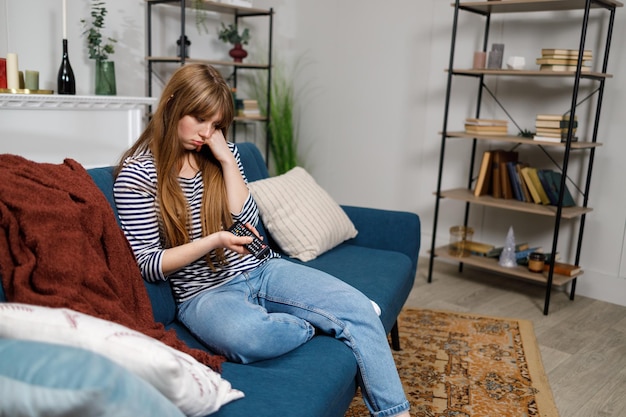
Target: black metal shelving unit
[486, 9]
[237, 13]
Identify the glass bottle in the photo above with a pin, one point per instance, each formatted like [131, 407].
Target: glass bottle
[66, 83]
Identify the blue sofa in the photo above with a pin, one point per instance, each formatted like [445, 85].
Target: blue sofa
[317, 379]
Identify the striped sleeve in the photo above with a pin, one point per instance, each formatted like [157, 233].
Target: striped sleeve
[135, 198]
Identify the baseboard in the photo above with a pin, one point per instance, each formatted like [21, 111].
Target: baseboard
[599, 286]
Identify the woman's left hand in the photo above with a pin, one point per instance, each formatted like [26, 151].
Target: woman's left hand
[219, 147]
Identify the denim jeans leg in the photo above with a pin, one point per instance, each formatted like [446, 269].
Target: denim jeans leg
[339, 309]
[229, 320]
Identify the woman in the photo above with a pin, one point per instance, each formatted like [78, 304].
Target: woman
[178, 189]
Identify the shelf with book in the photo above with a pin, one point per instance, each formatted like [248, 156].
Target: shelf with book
[463, 194]
[522, 140]
[491, 264]
[533, 190]
[529, 73]
[225, 11]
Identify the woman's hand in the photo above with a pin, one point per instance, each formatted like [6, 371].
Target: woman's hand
[217, 143]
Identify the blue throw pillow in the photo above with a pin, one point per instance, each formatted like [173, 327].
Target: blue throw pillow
[41, 379]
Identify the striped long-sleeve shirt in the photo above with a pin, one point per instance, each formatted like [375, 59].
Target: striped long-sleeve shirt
[135, 197]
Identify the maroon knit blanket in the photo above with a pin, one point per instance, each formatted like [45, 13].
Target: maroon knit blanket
[60, 246]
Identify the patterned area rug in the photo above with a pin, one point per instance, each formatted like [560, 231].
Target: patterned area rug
[466, 365]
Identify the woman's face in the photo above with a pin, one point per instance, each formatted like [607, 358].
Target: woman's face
[194, 131]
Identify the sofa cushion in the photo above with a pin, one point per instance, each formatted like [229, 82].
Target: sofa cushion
[317, 379]
[384, 276]
[41, 379]
[300, 215]
[192, 386]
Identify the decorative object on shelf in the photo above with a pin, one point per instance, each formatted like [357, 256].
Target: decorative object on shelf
[99, 50]
[495, 56]
[3, 73]
[507, 257]
[183, 41]
[66, 83]
[460, 238]
[480, 58]
[536, 261]
[31, 80]
[516, 63]
[201, 16]
[230, 34]
[13, 76]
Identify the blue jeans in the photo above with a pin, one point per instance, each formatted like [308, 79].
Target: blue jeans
[275, 308]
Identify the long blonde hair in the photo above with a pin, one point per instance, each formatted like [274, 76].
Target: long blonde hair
[200, 91]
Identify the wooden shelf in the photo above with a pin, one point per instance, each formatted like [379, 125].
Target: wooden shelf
[214, 6]
[463, 194]
[491, 264]
[519, 139]
[63, 101]
[515, 6]
[529, 73]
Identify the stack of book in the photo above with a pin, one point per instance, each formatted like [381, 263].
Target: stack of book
[486, 127]
[248, 108]
[563, 60]
[554, 128]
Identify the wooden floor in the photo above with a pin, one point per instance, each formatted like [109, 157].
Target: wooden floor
[582, 342]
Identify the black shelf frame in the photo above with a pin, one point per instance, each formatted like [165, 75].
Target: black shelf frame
[238, 13]
[486, 10]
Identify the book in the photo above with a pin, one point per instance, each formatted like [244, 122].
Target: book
[553, 131]
[478, 247]
[523, 254]
[554, 117]
[545, 182]
[532, 173]
[499, 156]
[558, 61]
[483, 182]
[507, 185]
[531, 187]
[563, 268]
[486, 130]
[555, 124]
[552, 139]
[515, 181]
[495, 252]
[565, 52]
[563, 68]
[525, 191]
[554, 178]
[485, 122]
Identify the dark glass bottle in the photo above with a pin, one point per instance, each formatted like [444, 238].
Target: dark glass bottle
[66, 83]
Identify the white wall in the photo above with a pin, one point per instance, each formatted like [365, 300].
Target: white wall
[371, 104]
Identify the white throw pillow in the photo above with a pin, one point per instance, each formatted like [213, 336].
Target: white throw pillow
[193, 387]
[302, 217]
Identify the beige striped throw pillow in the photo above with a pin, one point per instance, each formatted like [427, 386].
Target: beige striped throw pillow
[302, 217]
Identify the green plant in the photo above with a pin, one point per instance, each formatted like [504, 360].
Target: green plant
[526, 133]
[230, 34]
[98, 49]
[201, 16]
[282, 129]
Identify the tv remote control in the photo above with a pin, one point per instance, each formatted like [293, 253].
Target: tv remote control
[257, 247]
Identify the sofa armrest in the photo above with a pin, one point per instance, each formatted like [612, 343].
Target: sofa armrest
[386, 229]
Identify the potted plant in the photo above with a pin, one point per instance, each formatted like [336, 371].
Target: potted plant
[230, 34]
[99, 49]
[282, 126]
